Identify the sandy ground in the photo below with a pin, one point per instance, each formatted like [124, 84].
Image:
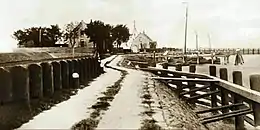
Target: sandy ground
[132, 110]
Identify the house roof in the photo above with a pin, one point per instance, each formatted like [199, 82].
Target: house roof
[82, 23]
[144, 35]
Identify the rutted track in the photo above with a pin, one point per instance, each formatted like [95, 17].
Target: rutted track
[102, 104]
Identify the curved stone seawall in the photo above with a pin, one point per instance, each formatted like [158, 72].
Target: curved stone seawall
[26, 90]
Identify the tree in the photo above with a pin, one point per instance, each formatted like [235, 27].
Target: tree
[120, 34]
[109, 39]
[40, 37]
[20, 36]
[153, 45]
[99, 34]
[54, 33]
[69, 35]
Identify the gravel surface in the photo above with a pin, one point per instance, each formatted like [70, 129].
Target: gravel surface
[143, 103]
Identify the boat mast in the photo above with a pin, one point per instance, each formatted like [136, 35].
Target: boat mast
[210, 49]
[197, 46]
[209, 42]
[186, 28]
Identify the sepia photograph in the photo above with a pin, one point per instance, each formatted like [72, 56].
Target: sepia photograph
[130, 64]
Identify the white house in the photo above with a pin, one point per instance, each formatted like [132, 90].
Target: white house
[141, 41]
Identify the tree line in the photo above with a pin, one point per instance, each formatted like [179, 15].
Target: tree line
[103, 36]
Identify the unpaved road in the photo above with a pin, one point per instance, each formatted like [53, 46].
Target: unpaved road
[142, 104]
[122, 98]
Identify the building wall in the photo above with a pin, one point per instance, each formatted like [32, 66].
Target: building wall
[82, 40]
[140, 39]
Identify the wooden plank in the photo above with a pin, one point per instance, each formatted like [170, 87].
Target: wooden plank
[184, 79]
[137, 62]
[193, 75]
[226, 115]
[218, 108]
[194, 90]
[203, 103]
[242, 91]
[203, 95]
[249, 120]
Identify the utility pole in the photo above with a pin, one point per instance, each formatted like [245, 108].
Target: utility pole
[186, 28]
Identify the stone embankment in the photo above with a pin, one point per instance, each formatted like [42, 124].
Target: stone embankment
[32, 82]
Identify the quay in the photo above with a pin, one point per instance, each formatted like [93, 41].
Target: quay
[227, 104]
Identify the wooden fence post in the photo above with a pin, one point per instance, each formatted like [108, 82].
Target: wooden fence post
[5, 86]
[20, 85]
[224, 93]
[192, 85]
[64, 74]
[35, 81]
[47, 75]
[254, 85]
[57, 75]
[213, 72]
[81, 71]
[239, 120]
[179, 84]
[178, 67]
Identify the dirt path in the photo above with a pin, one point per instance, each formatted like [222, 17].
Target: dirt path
[121, 98]
[66, 114]
[140, 103]
[125, 109]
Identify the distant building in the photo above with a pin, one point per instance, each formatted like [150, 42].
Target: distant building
[81, 39]
[141, 41]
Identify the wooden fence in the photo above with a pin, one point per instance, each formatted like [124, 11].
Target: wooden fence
[23, 85]
[225, 100]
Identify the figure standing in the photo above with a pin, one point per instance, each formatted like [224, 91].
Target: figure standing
[238, 59]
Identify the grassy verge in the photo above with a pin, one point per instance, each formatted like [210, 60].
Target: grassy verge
[101, 105]
[150, 123]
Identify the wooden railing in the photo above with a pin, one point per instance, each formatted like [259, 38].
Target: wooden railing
[225, 100]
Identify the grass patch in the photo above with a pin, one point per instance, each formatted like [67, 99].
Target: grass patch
[106, 98]
[101, 106]
[150, 125]
[149, 113]
[147, 102]
[95, 114]
[147, 96]
[86, 124]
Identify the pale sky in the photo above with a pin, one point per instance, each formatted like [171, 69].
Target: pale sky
[231, 23]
